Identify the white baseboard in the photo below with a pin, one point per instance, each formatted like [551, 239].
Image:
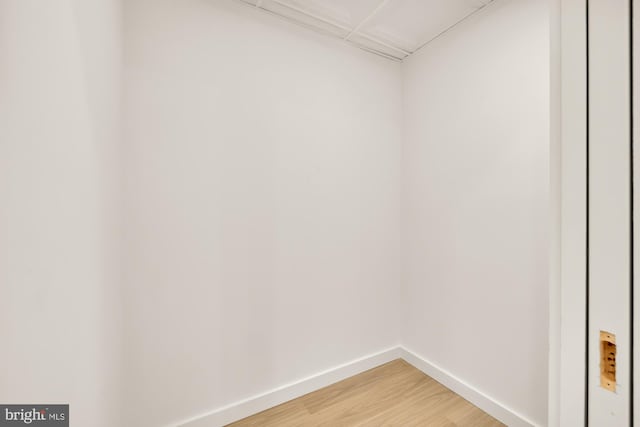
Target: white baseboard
[489, 405]
[236, 411]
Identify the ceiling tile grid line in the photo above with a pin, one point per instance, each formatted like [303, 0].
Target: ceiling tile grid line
[344, 27]
[399, 53]
[393, 29]
[367, 19]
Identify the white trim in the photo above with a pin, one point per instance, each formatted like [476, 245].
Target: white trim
[244, 408]
[488, 404]
[571, 300]
[555, 214]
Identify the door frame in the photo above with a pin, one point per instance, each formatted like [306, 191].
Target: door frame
[567, 289]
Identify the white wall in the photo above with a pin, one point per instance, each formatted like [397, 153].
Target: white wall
[262, 183]
[262, 172]
[477, 203]
[58, 272]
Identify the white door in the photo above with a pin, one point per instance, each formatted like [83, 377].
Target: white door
[609, 390]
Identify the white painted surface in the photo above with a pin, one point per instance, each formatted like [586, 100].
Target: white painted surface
[555, 209]
[262, 169]
[571, 299]
[262, 205]
[59, 79]
[609, 231]
[477, 164]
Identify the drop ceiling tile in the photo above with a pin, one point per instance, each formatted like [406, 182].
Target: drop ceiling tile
[479, 3]
[302, 16]
[391, 28]
[347, 12]
[410, 23]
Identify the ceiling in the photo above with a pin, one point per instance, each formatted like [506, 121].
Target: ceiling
[394, 29]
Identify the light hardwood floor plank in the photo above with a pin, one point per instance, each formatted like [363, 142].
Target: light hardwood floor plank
[393, 394]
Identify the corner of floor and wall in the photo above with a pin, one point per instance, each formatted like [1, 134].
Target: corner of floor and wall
[285, 210]
[477, 205]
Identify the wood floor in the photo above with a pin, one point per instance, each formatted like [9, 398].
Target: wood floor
[394, 394]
